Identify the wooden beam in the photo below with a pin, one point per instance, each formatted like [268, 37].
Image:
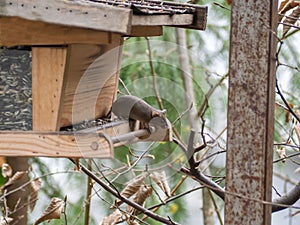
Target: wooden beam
[70, 13]
[16, 31]
[48, 65]
[146, 31]
[199, 19]
[162, 20]
[95, 142]
[251, 112]
[31, 144]
[91, 81]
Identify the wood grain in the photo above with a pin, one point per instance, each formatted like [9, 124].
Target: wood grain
[70, 13]
[48, 65]
[54, 145]
[162, 20]
[16, 31]
[91, 81]
[146, 31]
[96, 142]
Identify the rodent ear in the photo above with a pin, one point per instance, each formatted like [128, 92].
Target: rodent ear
[155, 114]
[159, 114]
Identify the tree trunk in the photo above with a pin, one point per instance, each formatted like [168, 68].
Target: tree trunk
[193, 119]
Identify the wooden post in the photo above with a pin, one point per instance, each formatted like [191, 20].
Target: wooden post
[91, 81]
[250, 112]
[48, 65]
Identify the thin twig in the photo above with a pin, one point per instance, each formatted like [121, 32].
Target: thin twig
[197, 174]
[204, 103]
[124, 86]
[221, 6]
[176, 197]
[286, 103]
[182, 114]
[88, 196]
[134, 163]
[159, 101]
[286, 65]
[216, 208]
[286, 201]
[167, 199]
[287, 157]
[289, 25]
[126, 200]
[28, 182]
[287, 145]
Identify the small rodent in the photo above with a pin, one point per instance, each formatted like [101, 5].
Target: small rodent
[134, 108]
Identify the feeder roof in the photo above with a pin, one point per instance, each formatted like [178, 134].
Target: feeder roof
[106, 15]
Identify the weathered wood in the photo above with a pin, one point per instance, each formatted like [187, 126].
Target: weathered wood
[70, 13]
[96, 142]
[199, 19]
[16, 31]
[146, 31]
[91, 80]
[162, 20]
[48, 65]
[250, 112]
[54, 145]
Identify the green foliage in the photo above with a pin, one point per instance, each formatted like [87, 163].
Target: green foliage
[2, 179]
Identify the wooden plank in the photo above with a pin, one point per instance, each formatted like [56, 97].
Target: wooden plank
[70, 13]
[91, 80]
[96, 142]
[199, 19]
[16, 31]
[70, 145]
[162, 20]
[250, 112]
[48, 65]
[146, 31]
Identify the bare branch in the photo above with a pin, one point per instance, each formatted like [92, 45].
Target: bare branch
[126, 200]
[159, 101]
[197, 174]
[286, 103]
[288, 199]
[287, 157]
[204, 103]
[278, 204]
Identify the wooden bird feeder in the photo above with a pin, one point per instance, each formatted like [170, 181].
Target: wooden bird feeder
[76, 51]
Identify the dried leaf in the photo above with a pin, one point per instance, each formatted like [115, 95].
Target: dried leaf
[288, 113]
[297, 170]
[5, 220]
[291, 19]
[6, 170]
[281, 153]
[53, 211]
[160, 179]
[12, 180]
[35, 187]
[140, 197]
[283, 5]
[286, 6]
[143, 193]
[132, 222]
[297, 131]
[132, 187]
[229, 2]
[111, 219]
